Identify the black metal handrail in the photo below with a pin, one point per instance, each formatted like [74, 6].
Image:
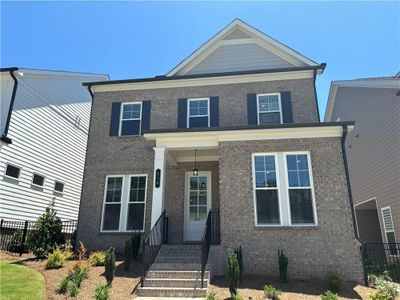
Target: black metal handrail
[157, 236]
[205, 246]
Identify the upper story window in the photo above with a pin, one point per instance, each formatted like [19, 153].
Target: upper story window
[198, 113]
[124, 203]
[58, 186]
[131, 117]
[269, 109]
[12, 171]
[38, 180]
[283, 189]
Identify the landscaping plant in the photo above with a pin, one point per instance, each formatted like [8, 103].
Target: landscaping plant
[97, 258]
[328, 295]
[55, 260]
[128, 254]
[239, 255]
[135, 244]
[233, 273]
[333, 282]
[46, 233]
[283, 266]
[109, 265]
[236, 297]
[73, 289]
[385, 289]
[63, 286]
[102, 292]
[212, 296]
[271, 292]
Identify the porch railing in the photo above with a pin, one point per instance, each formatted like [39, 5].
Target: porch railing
[380, 257]
[211, 236]
[158, 235]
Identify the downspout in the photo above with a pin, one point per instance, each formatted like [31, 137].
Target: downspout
[89, 87]
[10, 109]
[315, 94]
[346, 170]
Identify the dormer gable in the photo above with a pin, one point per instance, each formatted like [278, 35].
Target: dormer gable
[240, 47]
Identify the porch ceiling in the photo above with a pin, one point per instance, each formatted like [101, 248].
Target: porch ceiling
[180, 156]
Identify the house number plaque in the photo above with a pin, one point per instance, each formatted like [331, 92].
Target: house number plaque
[158, 178]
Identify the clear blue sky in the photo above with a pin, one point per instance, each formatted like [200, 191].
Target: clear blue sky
[138, 39]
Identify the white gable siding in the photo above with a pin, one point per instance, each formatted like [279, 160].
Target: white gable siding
[6, 88]
[239, 57]
[48, 128]
[236, 34]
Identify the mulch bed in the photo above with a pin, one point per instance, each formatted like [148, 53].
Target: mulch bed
[124, 283]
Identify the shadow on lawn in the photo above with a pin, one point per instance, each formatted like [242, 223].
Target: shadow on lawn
[307, 287]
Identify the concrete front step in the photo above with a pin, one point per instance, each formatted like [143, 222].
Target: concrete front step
[177, 274]
[177, 259]
[175, 266]
[171, 292]
[174, 282]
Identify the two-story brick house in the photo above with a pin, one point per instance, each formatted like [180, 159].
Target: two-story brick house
[231, 135]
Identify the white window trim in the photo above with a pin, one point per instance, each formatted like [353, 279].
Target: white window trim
[279, 102]
[200, 116]
[54, 186]
[283, 189]
[123, 217]
[44, 179]
[285, 154]
[384, 223]
[275, 155]
[130, 119]
[15, 166]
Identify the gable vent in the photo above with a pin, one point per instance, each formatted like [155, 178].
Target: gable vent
[237, 34]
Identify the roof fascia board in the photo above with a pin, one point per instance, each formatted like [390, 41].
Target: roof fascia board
[49, 73]
[203, 81]
[209, 139]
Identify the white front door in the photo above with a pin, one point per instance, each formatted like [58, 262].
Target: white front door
[197, 204]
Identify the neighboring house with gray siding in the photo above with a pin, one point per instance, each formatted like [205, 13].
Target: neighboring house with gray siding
[373, 149]
[230, 146]
[44, 128]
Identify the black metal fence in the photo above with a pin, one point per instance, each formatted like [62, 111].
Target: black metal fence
[215, 228]
[14, 234]
[381, 257]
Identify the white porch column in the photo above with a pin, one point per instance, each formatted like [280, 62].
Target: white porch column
[158, 192]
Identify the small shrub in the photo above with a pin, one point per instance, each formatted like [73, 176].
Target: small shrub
[55, 260]
[81, 251]
[385, 289]
[80, 267]
[237, 297]
[46, 233]
[67, 251]
[109, 265]
[73, 289]
[239, 255]
[233, 273]
[97, 258]
[128, 254]
[333, 282]
[283, 266]
[135, 244]
[63, 286]
[212, 296]
[328, 295]
[102, 292]
[272, 293]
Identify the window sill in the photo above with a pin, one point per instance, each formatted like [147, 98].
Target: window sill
[121, 232]
[286, 227]
[57, 193]
[11, 179]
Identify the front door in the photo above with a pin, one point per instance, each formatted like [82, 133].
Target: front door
[197, 204]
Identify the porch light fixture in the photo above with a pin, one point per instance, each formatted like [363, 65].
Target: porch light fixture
[195, 171]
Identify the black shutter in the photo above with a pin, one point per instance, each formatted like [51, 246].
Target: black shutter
[252, 109]
[286, 103]
[115, 115]
[214, 111]
[146, 108]
[182, 113]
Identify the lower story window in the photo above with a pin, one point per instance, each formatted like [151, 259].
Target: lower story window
[283, 189]
[124, 203]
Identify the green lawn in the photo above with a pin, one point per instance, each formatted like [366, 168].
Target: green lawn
[19, 282]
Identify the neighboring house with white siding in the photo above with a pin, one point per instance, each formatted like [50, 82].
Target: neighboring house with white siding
[44, 127]
[373, 149]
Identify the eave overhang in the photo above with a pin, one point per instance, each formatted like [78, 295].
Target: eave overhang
[211, 137]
